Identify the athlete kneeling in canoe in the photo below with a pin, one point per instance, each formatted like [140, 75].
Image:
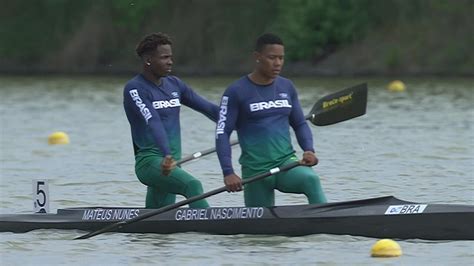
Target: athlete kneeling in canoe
[152, 102]
[261, 106]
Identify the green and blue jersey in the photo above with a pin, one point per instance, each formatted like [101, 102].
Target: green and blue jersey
[262, 116]
[153, 112]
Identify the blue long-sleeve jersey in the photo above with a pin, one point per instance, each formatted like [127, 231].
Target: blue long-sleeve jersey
[153, 112]
[262, 116]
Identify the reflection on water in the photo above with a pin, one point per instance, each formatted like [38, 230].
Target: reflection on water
[417, 145]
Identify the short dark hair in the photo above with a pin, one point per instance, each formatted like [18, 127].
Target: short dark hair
[265, 39]
[149, 43]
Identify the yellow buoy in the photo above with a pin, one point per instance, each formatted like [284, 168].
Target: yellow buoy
[58, 137]
[396, 86]
[386, 248]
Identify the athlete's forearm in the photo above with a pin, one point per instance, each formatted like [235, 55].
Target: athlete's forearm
[224, 153]
[228, 112]
[159, 135]
[205, 107]
[304, 137]
[199, 103]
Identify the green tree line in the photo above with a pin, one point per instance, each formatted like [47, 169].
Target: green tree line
[212, 36]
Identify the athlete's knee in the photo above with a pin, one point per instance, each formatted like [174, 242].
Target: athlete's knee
[313, 190]
[311, 182]
[193, 188]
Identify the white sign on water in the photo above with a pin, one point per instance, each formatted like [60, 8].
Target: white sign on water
[40, 196]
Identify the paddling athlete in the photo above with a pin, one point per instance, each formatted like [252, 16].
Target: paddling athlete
[152, 102]
[262, 106]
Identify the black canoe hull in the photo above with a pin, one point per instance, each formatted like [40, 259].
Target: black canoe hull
[380, 218]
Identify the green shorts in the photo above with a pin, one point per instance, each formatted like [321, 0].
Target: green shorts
[299, 180]
[162, 189]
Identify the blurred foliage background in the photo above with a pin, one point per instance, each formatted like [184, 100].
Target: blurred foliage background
[322, 37]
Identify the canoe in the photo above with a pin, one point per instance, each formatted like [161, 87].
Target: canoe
[383, 217]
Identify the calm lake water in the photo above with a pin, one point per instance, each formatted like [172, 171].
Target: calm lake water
[417, 145]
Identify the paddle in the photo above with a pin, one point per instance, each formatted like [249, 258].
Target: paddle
[201, 153]
[331, 109]
[186, 201]
[339, 106]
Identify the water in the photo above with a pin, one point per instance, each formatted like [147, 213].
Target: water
[417, 145]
